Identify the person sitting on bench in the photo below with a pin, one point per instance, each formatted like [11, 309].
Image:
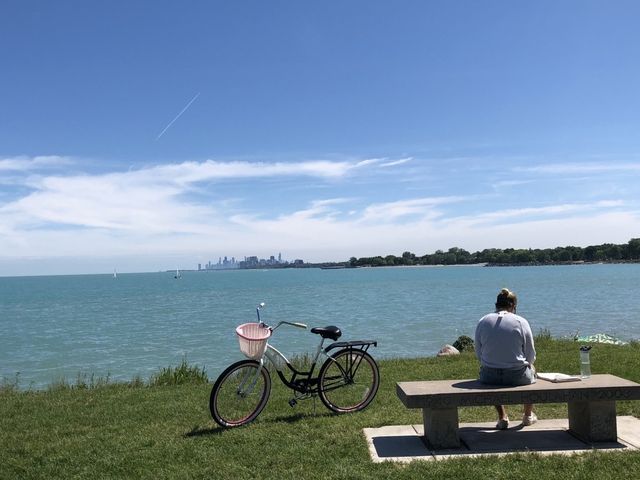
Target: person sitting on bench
[504, 346]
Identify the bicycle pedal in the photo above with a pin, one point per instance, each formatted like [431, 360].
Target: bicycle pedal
[293, 402]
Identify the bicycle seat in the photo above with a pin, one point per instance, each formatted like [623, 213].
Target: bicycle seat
[331, 332]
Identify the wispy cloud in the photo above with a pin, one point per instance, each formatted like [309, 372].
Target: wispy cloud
[581, 168]
[209, 207]
[191, 172]
[511, 183]
[535, 213]
[418, 207]
[394, 163]
[325, 209]
[149, 199]
[26, 164]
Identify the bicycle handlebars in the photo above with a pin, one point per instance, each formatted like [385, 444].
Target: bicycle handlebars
[258, 308]
[293, 324]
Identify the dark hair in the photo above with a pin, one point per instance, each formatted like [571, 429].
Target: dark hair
[506, 299]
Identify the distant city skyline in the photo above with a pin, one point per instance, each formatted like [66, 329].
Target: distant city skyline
[248, 262]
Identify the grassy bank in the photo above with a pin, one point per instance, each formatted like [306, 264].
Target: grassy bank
[164, 431]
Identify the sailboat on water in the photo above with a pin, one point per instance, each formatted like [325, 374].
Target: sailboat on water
[115, 274]
[178, 274]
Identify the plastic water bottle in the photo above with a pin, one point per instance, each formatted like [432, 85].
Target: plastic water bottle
[585, 363]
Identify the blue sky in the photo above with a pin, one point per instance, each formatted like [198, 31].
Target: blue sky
[148, 135]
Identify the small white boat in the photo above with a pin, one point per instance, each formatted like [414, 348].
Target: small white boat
[178, 274]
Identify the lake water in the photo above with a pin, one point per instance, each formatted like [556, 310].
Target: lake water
[61, 326]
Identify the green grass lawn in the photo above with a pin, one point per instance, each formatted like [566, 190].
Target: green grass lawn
[141, 431]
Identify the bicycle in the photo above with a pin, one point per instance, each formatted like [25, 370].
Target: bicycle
[347, 381]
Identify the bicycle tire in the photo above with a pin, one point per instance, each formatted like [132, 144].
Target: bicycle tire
[229, 405]
[348, 381]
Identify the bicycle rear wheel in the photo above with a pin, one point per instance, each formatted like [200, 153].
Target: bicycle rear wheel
[348, 381]
[240, 393]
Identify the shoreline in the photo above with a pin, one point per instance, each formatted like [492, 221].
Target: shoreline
[198, 374]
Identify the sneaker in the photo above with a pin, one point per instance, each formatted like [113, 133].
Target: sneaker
[503, 424]
[528, 420]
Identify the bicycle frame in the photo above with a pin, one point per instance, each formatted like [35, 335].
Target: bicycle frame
[300, 381]
[303, 381]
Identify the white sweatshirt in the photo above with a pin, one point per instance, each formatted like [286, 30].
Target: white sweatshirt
[504, 340]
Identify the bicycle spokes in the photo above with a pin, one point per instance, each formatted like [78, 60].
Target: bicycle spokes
[346, 368]
[348, 381]
[240, 394]
[248, 381]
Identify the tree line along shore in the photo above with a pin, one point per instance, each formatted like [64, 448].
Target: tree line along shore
[605, 253]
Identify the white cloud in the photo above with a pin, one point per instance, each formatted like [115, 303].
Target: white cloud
[25, 164]
[510, 183]
[396, 162]
[371, 161]
[151, 213]
[581, 168]
[392, 211]
[531, 213]
[145, 199]
[191, 172]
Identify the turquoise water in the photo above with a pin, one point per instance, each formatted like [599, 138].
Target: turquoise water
[58, 327]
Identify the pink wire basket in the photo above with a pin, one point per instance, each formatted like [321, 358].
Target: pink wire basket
[253, 339]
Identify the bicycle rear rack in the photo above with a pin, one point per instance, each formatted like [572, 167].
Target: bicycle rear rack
[353, 345]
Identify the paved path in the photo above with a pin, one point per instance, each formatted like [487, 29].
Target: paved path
[404, 443]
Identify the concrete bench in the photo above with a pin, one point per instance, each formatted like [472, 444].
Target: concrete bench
[592, 404]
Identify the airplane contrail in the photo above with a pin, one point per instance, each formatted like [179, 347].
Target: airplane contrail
[178, 116]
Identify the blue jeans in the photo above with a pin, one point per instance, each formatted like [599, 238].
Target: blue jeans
[511, 377]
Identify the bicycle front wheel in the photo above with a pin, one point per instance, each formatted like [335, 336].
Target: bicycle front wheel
[348, 381]
[240, 393]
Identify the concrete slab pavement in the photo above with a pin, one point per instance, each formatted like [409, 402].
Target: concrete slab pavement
[405, 443]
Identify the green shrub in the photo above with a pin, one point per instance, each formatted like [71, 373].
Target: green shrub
[136, 382]
[10, 386]
[544, 334]
[181, 375]
[464, 343]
